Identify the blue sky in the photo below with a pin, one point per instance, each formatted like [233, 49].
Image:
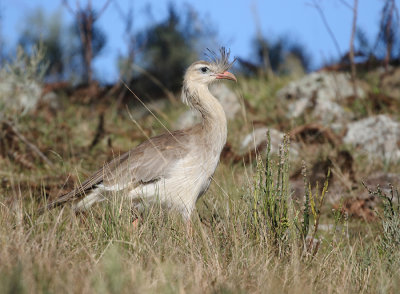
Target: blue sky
[233, 20]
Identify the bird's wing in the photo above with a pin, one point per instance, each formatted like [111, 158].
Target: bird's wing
[148, 162]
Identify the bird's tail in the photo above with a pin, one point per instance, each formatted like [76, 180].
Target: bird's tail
[89, 198]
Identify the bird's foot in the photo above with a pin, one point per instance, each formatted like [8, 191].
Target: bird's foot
[135, 224]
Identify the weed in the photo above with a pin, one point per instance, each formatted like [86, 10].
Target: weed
[390, 221]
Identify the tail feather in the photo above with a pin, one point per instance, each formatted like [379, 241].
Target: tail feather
[72, 195]
[90, 199]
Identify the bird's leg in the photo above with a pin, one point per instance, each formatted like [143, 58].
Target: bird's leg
[135, 219]
[135, 223]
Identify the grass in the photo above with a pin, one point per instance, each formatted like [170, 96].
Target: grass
[245, 238]
[101, 252]
[249, 235]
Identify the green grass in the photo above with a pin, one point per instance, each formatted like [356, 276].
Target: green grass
[248, 235]
[233, 247]
[100, 251]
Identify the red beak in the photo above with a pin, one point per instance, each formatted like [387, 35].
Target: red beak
[227, 76]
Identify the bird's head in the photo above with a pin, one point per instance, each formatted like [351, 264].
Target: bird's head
[206, 72]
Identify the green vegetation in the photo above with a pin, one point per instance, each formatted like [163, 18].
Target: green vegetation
[248, 234]
[249, 239]
[276, 223]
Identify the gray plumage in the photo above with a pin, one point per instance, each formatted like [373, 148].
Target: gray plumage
[173, 168]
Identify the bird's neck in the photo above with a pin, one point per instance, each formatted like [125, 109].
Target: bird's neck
[214, 126]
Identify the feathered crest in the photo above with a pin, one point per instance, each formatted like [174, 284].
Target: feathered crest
[222, 63]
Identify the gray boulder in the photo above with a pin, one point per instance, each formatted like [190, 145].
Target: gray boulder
[257, 139]
[320, 94]
[376, 136]
[228, 99]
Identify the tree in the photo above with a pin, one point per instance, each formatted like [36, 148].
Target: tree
[388, 37]
[62, 45]
[386, 47]
[79, 56]
[46, 31]
[166, 48]
[274, 53]
[92, 39]
[125, 62]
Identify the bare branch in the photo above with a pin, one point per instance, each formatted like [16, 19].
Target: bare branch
[29, 144]
[326, 24]
[85, 19]
[101, 11]
[69, 8]
[264, 49]
[345, 3]
[389, 43]
[351, 53]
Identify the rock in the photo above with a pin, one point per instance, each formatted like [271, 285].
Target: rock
[258, 140]
[320, 94]
[377, 136]
[228, 99]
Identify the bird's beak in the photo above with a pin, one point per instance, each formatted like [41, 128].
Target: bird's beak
[227, 76]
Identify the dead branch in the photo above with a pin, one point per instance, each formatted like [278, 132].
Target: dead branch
[101, 11]
[29, 144]
[326, 24]
[346, 4]
[85, 19]
[388, 28]
[351, 53]
[264, 48]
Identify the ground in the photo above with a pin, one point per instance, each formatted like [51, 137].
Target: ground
[234, 245]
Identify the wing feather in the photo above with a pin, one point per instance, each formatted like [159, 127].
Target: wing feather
[148, 162]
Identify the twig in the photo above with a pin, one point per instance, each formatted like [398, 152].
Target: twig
[101, 11]
[29, 144]
[85, 18]
[389, 43]
[326, 24]
[351, 53]
[264, 48]
[345, 3]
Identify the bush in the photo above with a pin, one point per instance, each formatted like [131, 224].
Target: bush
[390, 221]
[275, 219]
[20, 86]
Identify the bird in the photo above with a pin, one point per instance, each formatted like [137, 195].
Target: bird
[175, 168]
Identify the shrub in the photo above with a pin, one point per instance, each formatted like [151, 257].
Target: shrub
[20, 88]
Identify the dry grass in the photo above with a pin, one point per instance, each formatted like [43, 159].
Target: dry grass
[101, 251]
[227, 252]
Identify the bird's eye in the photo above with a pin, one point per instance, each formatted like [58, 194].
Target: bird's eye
[204, 69]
